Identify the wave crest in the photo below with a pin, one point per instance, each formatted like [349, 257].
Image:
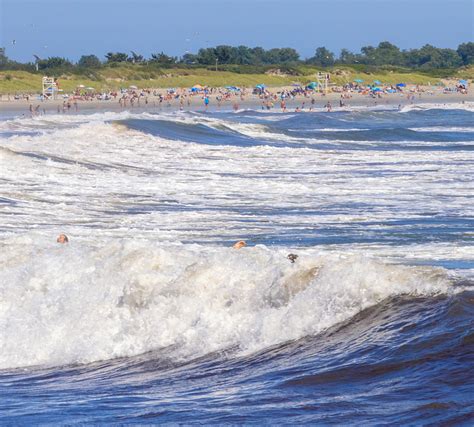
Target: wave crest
[82, 303]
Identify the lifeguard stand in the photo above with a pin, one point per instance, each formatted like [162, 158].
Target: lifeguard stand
[50, 87]
[323, 81]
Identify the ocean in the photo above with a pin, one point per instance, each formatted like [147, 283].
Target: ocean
[148, 315]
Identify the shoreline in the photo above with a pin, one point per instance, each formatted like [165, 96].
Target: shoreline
[19, 108]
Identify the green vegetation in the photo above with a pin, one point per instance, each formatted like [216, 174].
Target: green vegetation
[242, 66]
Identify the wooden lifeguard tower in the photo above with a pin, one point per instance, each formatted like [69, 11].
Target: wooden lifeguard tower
[50, 87]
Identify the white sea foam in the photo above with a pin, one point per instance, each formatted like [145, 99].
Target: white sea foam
[443, 129]
[467, 105]
[84, 301]
[99, 173]
[120, 288]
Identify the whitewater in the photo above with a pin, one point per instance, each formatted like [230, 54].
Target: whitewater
[149, 315]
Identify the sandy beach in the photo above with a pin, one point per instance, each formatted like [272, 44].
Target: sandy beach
[18, 107]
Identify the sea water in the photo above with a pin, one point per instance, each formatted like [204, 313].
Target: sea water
[148, 315]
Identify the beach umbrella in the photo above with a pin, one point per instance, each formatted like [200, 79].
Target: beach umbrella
[401, 84]
[377, 82]
[312, 85]
[81, 86]
[90, 88]
[376, 89]
[359, 80]
[463, 82]
[133, 87]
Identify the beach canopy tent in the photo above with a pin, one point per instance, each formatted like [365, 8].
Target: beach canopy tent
[312, 85]
[401, 84]
[359, 80]
[377, 82]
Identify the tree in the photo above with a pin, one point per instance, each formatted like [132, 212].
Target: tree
[89, 61]
[225, 54]
[54, 62]
[135, 58]
[116, 57]
[466, 52]
[387, 53]
[162, 58]
[3, 57]
[432, 57]
[346, 57]
[322, 57]
[187, 58]
[206, 56]
[245, 56]
[287, 54]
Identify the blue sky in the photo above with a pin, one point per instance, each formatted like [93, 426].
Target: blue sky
[72, 28]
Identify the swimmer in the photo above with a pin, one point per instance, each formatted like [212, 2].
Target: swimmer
[292, 257]
[240, 244]
[62, 238]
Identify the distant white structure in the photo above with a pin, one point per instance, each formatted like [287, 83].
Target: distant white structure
[323, 81]
[50, 87]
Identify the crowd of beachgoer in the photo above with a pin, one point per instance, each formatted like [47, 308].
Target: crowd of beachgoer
[304, 96]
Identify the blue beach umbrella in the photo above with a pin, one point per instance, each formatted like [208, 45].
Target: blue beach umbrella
[312, 85]
[401, 84]
[376, 89]
[463, 82]
[359, 80]
[377, 82]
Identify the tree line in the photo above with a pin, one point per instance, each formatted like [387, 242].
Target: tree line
[386, 53]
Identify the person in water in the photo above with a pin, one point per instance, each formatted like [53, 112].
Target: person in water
[62, 238]
[240, 244]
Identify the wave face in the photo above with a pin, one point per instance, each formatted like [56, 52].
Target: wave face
[148, 314]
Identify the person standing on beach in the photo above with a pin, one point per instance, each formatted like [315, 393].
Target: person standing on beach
[206, 101]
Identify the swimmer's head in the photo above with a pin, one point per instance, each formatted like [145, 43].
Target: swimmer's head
[239, 244]
[292, 257]
[62, 238]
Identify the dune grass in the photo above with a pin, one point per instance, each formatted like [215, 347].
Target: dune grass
[143, 76]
